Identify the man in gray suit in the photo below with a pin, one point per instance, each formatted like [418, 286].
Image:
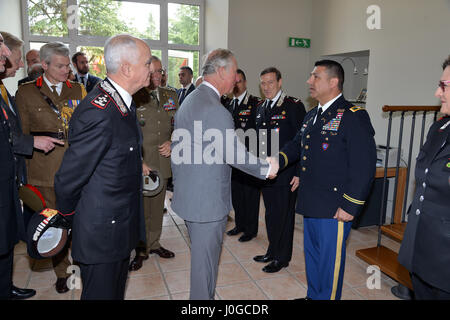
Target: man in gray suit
[201, 160]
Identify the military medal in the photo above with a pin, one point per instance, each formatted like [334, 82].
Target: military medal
[325, 146]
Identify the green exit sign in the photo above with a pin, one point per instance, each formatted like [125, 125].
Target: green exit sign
[299, 42]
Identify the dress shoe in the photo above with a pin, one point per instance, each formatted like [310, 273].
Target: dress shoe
[245, 238]
[233, 231]
[61, 285]
[163, 253]
[274, 266]
[137, 262]
[265, 258]
[21, 294]
[305, 298]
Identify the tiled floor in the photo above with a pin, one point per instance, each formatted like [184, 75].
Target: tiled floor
[239, 278]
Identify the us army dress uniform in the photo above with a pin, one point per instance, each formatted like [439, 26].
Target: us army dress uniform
[245, 189]
[44, 112]
[425, 246]
[282, 120]
[155, 113]
[337, 157]
[99, 185]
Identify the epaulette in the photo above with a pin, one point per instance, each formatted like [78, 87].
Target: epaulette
[356, 108]
[101, 101]
[296, 100]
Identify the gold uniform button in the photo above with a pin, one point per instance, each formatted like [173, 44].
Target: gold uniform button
[308, 136]
[306, 147]
[334, 189]
[303, 169]
[304, 158]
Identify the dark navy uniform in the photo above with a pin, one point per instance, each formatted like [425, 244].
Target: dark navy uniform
[282, 120]
[425, 246]
[11, 221]
[245, 189]
[337, 157]
[100, 178]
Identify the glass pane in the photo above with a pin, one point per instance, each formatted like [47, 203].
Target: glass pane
[156, 52]
[47, 17]
[96, 60]
[179, 58]
[110, 17]
[184, 21]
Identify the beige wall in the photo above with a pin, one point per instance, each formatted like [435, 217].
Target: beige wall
[216, 24]
[405, 54]
[258, 33]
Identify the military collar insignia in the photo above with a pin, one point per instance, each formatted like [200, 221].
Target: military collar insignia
[111, 91]
[444, 126]
[40, 81]
[281, 100]
[245, 101]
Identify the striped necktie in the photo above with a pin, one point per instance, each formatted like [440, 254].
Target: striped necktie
[4, 93]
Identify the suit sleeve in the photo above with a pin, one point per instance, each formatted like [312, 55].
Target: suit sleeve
[361, 150]
[234, 151]
[90, 137]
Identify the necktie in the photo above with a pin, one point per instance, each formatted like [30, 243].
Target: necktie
[82, 80]
[235, 104]
[269, 104]
[183, 92]
[54, 90]
[4, 93]
[319, 113]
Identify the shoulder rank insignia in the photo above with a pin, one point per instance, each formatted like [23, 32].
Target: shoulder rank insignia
[356, 108]
[101, 101]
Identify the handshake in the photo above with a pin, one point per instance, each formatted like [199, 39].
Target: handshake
[274, 167]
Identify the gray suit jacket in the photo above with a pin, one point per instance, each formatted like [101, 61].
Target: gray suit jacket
[201, 164]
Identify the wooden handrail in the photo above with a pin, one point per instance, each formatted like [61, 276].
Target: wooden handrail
[411, 108]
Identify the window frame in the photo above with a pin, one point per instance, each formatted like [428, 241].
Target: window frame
[75, 40]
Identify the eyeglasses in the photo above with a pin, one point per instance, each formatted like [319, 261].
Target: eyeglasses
[443, 83]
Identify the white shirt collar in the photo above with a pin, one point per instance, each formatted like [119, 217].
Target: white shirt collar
[329, 103]
[241, 97]
[275, 99]
[127, 98]
[59, 86]
[188, 86]
[212, 87]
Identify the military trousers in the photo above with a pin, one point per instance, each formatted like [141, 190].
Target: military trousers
[60, 261]
[280, 219]
[6, 269]
[153, 213]
[245, 195]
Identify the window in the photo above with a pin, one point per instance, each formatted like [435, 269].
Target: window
[172, 28]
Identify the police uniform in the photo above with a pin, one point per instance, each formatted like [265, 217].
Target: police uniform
[245, 189]
[337, 157]
[44, 112]
[99, 185]
[155, 115]
[282, 120]
[425, 244]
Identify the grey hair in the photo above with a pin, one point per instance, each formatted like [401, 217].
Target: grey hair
[118, 48]
[53, 48]
[11, 41]
[216, 59]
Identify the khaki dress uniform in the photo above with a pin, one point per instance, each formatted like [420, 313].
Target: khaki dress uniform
[155, 112]
[39, 118]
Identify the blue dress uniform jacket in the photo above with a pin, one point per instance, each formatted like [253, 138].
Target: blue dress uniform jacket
[284, 120]
[426, 242]
[100, 178]
[337, 158]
